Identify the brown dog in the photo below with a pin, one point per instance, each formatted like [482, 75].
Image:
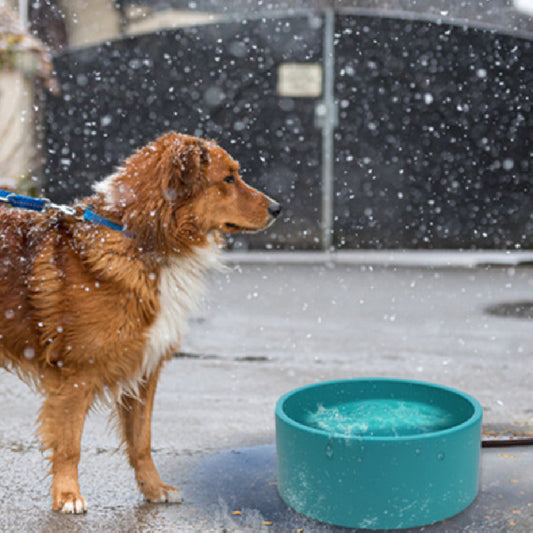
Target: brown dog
[89, 312]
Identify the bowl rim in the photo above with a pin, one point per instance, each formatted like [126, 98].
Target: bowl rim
[472, 420]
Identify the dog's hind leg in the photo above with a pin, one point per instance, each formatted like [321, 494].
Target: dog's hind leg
[135, 415]
[61, 425]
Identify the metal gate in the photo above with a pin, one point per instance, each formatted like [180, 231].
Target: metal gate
[372, 132]
[434, 141]
[219, 81]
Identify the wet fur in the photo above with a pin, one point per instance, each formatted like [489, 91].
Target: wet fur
[88, 312]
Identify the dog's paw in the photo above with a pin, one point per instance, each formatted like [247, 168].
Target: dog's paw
[163, 494]
[70, 504]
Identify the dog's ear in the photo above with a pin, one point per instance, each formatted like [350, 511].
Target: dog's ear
[189, 161]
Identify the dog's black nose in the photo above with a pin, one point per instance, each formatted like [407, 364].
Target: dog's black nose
[274, 209]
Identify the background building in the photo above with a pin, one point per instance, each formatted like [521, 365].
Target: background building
[378, 124]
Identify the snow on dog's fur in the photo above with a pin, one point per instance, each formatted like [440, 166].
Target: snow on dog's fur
[88, 311]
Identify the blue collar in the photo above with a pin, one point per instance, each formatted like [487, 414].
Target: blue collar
[90, 216]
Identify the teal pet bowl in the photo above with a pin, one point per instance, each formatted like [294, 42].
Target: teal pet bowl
[378, 453]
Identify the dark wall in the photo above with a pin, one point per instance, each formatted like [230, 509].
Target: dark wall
[215, 81]
[435, 136]
[433, 145]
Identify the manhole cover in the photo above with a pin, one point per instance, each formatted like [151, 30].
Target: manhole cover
[511, 310]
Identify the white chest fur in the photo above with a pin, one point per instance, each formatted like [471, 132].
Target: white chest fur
[180, 286]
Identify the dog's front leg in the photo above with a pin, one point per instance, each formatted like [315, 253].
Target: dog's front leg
[61, 425]
[136, 417]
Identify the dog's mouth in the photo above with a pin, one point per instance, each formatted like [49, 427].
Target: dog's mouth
[229, 227]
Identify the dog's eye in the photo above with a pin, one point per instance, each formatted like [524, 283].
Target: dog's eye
[229, 179]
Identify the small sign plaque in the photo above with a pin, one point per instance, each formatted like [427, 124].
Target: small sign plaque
[300, 80]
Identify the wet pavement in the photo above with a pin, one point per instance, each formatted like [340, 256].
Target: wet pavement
[263, 329]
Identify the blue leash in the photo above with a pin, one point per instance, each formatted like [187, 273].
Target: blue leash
[90, 216]
[25, 202]
[42, 204]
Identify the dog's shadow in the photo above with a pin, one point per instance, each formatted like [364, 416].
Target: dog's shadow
[240, 479]
[241, 484]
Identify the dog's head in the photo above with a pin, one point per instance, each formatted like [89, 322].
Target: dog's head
[182, 187]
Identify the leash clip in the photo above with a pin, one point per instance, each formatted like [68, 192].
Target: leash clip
[7, 199]
[65, 209]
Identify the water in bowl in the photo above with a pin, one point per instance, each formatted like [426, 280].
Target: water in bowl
[380, 417]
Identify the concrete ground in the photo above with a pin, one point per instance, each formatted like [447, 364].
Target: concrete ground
[265, 328]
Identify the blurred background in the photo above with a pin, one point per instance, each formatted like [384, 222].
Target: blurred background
[378, 124]
[396, 125]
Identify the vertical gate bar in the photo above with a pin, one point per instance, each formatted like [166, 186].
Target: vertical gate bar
[328, 129]
[23, 14]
